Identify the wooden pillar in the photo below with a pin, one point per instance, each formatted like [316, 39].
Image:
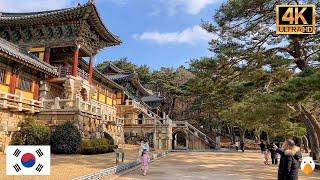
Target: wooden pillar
[36, 90]
[47, 55]
[98, 88]
[75, 61]
[13, 83]
[90, 70]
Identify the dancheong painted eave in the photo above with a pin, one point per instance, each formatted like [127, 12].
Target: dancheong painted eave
[86, 12]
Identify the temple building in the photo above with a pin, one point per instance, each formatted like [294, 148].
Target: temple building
[66, 41]
[46, 71]
[20, 77]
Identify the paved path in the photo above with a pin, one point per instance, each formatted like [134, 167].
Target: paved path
[210, 165]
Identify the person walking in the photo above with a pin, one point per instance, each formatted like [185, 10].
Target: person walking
[242, 145]
[146, 145]
[145, 161]
[273, 153]
[289, 160]
[263, 147]
[237, 145]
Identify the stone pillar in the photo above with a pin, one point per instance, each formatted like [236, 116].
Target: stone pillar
[75, 61]
[90, 69]
[175, 141]
[13, 83]
[47, 55]
[217, 142]
[44, 89]
[187, 142]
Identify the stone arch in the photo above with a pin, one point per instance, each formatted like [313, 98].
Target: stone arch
[180, 139]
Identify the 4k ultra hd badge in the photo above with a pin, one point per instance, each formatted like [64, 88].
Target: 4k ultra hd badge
[28, 160]
[296, 19]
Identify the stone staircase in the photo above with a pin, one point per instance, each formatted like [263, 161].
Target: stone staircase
[195, 132]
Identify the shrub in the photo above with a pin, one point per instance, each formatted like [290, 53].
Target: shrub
[109, 138]
[31, 134]
[96, 146]
[38, 135]
[66, 139]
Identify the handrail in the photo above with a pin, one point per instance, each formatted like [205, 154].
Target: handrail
[206, 138]
[19, 102]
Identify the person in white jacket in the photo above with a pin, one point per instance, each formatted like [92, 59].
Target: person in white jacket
[144, 145]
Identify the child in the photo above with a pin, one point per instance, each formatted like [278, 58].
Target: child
[266, 157]
[145, 160]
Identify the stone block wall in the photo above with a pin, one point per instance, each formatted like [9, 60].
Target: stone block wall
[8, 125]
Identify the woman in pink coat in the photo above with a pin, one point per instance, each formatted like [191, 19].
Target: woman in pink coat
[145, 160]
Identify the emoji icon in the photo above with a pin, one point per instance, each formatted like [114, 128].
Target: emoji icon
[307, 165]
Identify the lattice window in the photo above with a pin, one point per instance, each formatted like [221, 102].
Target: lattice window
[2, 76]
[25, 84]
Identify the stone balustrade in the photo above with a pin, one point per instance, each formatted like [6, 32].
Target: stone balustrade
[19, 103]
[92, 107]
[146, 111]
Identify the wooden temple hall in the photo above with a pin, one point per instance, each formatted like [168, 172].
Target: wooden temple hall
[47, 72]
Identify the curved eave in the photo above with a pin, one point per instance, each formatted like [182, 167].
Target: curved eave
[97, 73]
[26, 63]
[54, 16]
[136, 82]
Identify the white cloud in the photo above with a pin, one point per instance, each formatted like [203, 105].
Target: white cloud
[192, 7]
[191, 35]
[32, 5]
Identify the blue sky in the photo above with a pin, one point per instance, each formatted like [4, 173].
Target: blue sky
[154, 32]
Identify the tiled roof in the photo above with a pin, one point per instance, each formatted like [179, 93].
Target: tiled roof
[152, 98]
[86, 11]
[97, 73]
[22, 56]
[117, 77]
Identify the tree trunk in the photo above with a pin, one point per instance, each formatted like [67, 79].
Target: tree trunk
[305, 144]
[313, 121]
[242, 134]
[311, 129]
[257, 134]
[314, 142]
[230, 134]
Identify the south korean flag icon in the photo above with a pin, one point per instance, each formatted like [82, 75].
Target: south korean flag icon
[28, 160]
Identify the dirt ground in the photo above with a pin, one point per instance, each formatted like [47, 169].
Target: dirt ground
[211, 165]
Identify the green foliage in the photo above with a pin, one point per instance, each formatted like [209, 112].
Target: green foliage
[66, 139]
[109, 138]
[31, 134]
[96, 146]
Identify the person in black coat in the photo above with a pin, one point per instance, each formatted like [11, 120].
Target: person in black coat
[242, 145]
[263, 147]
[289, 161]
[273, 153]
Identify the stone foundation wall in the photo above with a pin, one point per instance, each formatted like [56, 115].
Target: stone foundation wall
[8, 125]
[160, 140]
[89, 127]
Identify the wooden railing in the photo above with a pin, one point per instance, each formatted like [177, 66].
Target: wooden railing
[64, 71]
[19, 103]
